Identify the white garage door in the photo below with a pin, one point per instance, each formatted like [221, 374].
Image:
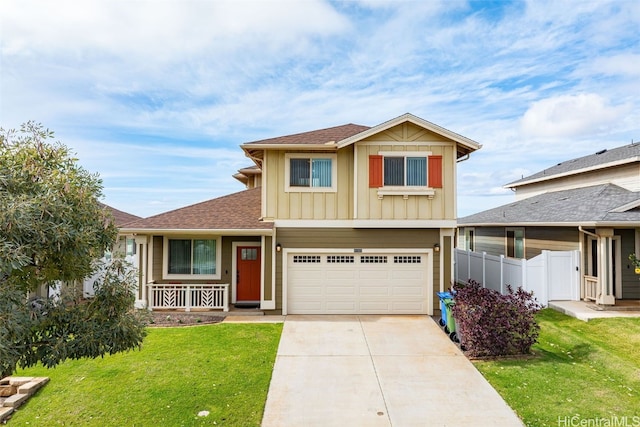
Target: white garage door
[358, 283]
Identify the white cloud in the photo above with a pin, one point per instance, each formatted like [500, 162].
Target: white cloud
[571, 115]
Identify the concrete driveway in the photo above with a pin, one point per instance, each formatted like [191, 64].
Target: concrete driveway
[377, 371]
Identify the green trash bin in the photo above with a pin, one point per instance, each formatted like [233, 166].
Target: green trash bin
[450, 326]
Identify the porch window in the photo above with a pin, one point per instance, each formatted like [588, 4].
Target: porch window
[186, 258]
[310, 173]
[515, 242]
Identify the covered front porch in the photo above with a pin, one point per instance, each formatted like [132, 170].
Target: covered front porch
[610, 280]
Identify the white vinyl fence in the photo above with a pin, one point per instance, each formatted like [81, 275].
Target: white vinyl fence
[552, 275]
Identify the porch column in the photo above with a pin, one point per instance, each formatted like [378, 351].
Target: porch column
[606, 267]
[141, 250]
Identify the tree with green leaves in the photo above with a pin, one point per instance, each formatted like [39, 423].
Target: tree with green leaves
[52, 230]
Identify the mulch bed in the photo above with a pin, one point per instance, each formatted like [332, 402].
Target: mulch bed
[181, 318]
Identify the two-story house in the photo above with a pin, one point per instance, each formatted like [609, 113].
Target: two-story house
[589, 204]
[345, 220]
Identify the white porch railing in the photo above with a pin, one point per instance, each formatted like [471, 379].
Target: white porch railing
[210, 296]
[590, 288]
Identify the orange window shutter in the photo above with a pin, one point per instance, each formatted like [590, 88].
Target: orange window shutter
[435, 171]
[375, 171]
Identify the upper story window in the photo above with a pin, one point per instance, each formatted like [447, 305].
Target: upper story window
[408, 171]
[191, 258]
[310, 172]
[405, 173]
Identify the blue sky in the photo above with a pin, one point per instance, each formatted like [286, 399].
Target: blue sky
[156, 96]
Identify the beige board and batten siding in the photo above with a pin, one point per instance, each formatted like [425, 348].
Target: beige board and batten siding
[343, 238]
[403, 139]
[318, 205]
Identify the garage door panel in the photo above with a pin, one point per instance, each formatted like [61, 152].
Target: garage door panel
[381, 290]
[407, 275]
[357, 284]
[345, 306]
[340, 291]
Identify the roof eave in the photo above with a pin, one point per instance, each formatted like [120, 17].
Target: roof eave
[198, 231]
[591, 224]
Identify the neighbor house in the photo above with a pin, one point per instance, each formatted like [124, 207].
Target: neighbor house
[589, 204]
[348, 219]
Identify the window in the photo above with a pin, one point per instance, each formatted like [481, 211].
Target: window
[469, 239]
[402, 169]
[310, 173]
[130, 247]
[515, 242]
[186, 258]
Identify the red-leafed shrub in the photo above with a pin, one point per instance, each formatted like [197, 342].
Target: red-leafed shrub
[492, 324]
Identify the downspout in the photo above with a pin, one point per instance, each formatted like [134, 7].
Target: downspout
[588, 233]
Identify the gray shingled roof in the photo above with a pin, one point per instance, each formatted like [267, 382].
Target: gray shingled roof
[238, 211]
[630, 152]
[579, 205]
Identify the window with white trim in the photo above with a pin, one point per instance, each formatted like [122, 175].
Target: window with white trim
[515, 242]
[310, 172]
[405, 171]
[191, 258]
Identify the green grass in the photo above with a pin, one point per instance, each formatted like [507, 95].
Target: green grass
[224, 369]
[588, 370]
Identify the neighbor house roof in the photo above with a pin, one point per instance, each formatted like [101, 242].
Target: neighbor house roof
[600, 160]
[121, 218]
[237, 211]
[605, 204]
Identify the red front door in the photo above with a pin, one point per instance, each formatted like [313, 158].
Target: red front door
[248, 273]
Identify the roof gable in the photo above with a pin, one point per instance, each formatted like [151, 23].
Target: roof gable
[599, 160]
[465, 145]
[238, 211]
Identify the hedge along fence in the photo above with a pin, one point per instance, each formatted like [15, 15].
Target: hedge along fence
[492, 324]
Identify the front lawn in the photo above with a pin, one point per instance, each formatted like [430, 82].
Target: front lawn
[582, 371]
[224, 369]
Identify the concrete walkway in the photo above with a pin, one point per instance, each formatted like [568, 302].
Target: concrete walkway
[377, 371]
[585, 311]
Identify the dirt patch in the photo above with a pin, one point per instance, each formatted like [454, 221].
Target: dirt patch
[180, 318]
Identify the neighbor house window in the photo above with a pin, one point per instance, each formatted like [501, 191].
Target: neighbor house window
[515, 242]
[403, 169]
[306, 172]
[470, 239]
[192, 258]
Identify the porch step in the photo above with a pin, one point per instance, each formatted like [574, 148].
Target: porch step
[614, 307]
